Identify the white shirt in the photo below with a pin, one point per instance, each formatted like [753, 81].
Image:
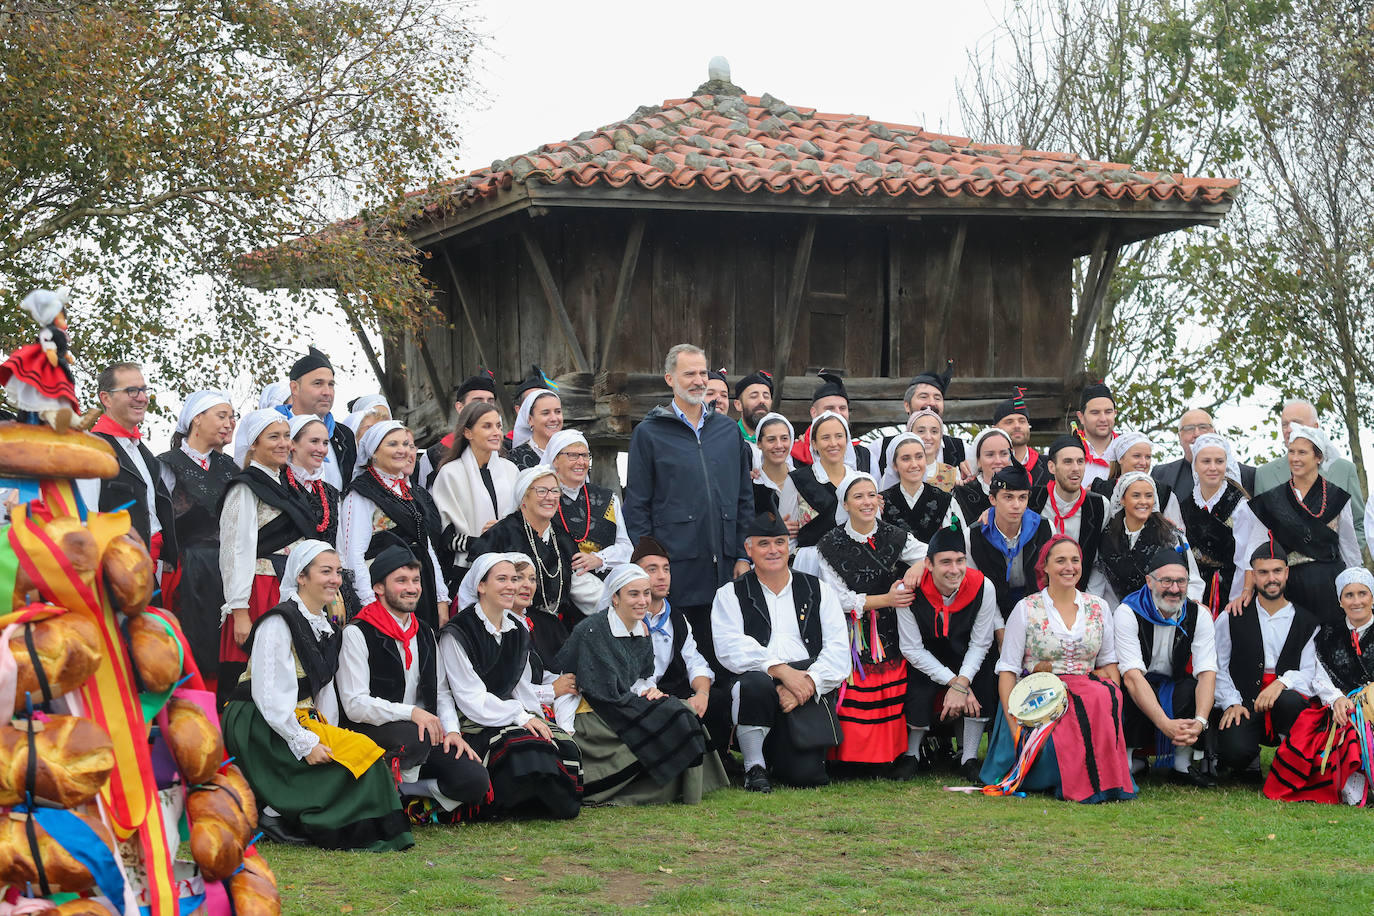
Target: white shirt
[912, 551]
[739, 652]
[663, 647]
[355, 534]
[1322, 686]
[1092, 471]
[980, 640]
[354, 684]
[611, 555]
[1243, 524]
[470, 694]
[272, 667]
[1273, 633]
[1014, 637]
[89, 488]
[1129, 654]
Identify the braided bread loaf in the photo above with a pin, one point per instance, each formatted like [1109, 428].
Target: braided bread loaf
[129, 573]
[65, 874]
[254, 889]
[75, 758]
[68, 648]
[223, 815]
[194, 741]
[154, 653]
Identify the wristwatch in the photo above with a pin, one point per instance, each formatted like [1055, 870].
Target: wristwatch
[1203, 720]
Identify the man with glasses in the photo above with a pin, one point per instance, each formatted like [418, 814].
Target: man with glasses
[124, 397]
[1166, 650]
[1177, 475]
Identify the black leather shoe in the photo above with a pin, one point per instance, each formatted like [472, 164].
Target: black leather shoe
[275, 829]
[1195, 777]
[970, 770]
[756, 780]
[905, 767]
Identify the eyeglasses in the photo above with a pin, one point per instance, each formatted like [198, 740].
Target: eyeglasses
[1171, 583]
[132, 391]
[576, 457]
[543, 492]
[1196, 428]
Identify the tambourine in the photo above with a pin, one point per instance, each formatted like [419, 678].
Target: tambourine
[1038, 698]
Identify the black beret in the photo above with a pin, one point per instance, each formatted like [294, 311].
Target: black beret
[1063, 442]
[387, 553]
[312, 360]
[936, 379]
[1166, 556]
[1012, 477]
[947, 538]
[1014, 404]
[484, 380]
[831, 386]
[1269, 550]
[767, 525]
[757, 377]
[1099, 390]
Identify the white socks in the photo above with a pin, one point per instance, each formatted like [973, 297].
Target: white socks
[973, 734]
[1183, 756]
[914, 737]
[751, 738]
[1352, 793]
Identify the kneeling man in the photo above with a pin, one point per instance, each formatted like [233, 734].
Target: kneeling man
[392, 690]
[783, 633]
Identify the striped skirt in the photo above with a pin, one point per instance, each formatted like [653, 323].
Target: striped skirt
[1299, 773]
[872, 714]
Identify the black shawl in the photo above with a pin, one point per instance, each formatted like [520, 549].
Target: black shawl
[500, 665]
[416, 521]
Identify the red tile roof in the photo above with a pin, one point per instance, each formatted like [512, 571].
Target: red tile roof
[753, 144]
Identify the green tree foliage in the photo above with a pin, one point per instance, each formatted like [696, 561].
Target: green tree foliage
[146, 148]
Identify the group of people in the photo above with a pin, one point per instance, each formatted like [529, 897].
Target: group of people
[479, 629]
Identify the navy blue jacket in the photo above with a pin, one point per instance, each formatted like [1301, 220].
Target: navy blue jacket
[696, 499]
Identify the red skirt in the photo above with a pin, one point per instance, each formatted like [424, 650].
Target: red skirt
[266, 594]
[1297, 773]
[29, 364]
[872, 715]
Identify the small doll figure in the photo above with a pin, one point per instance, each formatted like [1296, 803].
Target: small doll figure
[38, 376]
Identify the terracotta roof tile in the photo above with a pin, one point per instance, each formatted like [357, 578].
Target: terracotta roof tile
[754, 143]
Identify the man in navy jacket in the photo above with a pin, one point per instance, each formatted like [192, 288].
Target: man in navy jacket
[689, 487]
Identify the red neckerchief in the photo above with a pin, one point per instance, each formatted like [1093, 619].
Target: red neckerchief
[386, 624]
[1088, 450]
[1061, 520]
[1032, 458]
[1355, 641]
[973, 580]
[447, 441]
[111, 428]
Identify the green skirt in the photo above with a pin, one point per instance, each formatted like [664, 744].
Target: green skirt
[324, 802]
[613, 775]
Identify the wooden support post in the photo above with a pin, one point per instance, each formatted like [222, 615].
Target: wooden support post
[784, 329]
[629, 261]
[441, 392]
[605, 470]
[1097, 283]
[895, 238]
[937, 355]
[478, 331]
[554, 298]
[371, 354]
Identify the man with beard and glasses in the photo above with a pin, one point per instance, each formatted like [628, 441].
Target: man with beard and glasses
[392, 689]
[1166, 650]
[691, 489]
[754, 401]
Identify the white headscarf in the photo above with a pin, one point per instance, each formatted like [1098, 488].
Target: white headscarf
[372, 440]
[1118, 447]
[772, 417]
[561, 440]
[620, 577]
[46, 304]
[467, 591]
[978, 445]
[1352, 575]
[526, 478]
[274, 395]
[1319, 439]
[816, 468]
[1123, 482]
[369, 401]
[298, 560]
[299, 422]
[851, 477]
[1212, 440]
[197, 404]
[523, 432]
[249, 430]
[890, 476]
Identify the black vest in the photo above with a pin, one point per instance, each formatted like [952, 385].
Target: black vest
[1092, 512]
[1294, 526]
[1337, 654]
[973, 502]
[572, 517]
[295, 522]
[323, 501]
[345, 449]
[951, 648]
[822, 500]
[806, 602]
[386, 667]
[501, 666]
[1125, 565]
[128, 487]
[415, 521]
[1212, 540]
[870, 570]
[196, 495]
[508, 536]
[1183, 644]
[992, 563]
[674, 681]
[1246, 663]
[525, 457]
[922, 519]
[318, 656]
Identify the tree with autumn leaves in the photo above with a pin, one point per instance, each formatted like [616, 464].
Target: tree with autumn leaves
[145, 149]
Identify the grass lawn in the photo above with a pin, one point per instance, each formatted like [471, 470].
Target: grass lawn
[868, 847]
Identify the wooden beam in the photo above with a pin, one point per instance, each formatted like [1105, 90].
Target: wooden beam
[785, 328]
[948, 284]
[629, 261]
[554, 297]
[441, 393]
[371, 354]
[1099, 251]
[468, 303]
[1093, 307]
[895, 237]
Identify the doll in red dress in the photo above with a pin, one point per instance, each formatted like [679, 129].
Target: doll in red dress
[38, 376]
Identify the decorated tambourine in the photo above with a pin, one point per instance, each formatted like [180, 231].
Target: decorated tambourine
[1038, 698]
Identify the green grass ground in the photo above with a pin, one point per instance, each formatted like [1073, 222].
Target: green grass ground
[868, 847]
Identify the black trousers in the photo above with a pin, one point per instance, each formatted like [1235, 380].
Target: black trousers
[717, 719]
[1140, 731]
[699, 616]
[787, 763]
[1238, 745]
[921, 692]
[460, 778]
